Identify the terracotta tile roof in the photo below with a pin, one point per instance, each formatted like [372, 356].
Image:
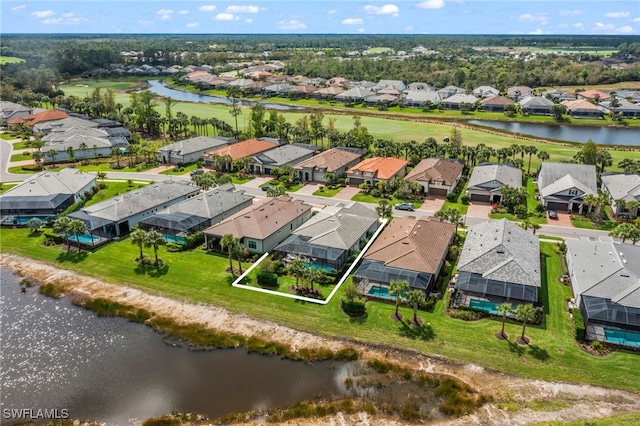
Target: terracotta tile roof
[49, 115]
[497, 100]
[381, 167]
[243, 149]
[594, 94]
[435, 170]
[262, 219]
[330, 160]
[413, 244]
[579, 104]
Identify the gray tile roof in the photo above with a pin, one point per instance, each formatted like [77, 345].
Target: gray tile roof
[199, 143]
[503, 173]
[502, 251]
[211, 203]
[605, 269]
[535, 101]
[622, 186]
[66, 181]
[459, 98]
[557, 177]
[286, 154]
[419, 96]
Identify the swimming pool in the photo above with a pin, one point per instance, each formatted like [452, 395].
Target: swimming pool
[21, 220]
[321, 267]
[621, 337]
[173, 239]
[485, 305]
[85, 238]
[381, 292]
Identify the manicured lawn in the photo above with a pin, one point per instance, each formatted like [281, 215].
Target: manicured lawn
[185, 170]
[8, 137]
[21, 145]
[19, 171]
[113, 188]
[21, 157]
[366, 198]
[462, 208]
[288, 282]
[10, 60]
[199, 277]
[239, 181]
[326, 192]
[6, 186]
[605, 225]
[531, 206]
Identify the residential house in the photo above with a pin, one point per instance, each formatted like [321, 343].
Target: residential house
[241, 83]
[456, 101]
[487, 180]
[483, 92]
[449, 91]
[337, 81]
[558, 95]
[410, 249]
[235, 151]
[190, 150]
[581, 108]
[593, 95]
[45, 194]
[114, 217]
[495, 103]
[178, 221]
[84, 137]
[536, 105]
[438, 176]
[327, 92]
[419, 98]
[355, 95]
[335, 160]
[563, 186]
[605, 278]
[375, 169]
[499, 263]
[262, 226]
[622, 187]
[418, 86]
[624, 109]
[518, 93]
[11, 111]
[292, 154]
[385, 99]
[33, 119]
[331, 236]
[393, 84]
[278, 89]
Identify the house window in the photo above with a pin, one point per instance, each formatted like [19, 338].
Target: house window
[573, 192]
[252, 244]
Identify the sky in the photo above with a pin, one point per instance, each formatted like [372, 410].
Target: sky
[582, 17]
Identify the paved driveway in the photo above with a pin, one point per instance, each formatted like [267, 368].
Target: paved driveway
[432, 204]
[256, 182]
[564, 219]
[479, 210]
[347, 193]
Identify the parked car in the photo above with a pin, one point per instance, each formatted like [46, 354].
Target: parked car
[196, 172]
[267, 187]
[553, 214]
[404, 206]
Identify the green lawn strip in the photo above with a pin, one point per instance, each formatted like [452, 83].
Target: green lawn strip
[6, 186]
[294, 188]
[18, 170]
[198, 277]
[112, 189]
[326, 192]
[366, 198]
[21, 157]
[105, 167]
[183, 171]
[462, 208]
[239, 181]
[10, 136]
[288, 282]
[10, 60]
[548, 237]
[514, 218]
[630, 419]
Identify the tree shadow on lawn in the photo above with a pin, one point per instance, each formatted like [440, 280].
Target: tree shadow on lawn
[423, 332]
[152, 271]
[72, 257]
[538, 353]
[515, 348]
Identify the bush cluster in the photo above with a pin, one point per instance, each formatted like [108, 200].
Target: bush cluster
[578, 323]
[267, 279]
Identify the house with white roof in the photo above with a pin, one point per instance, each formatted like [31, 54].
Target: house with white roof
[486, 181]
[563, 186]
[624, 191]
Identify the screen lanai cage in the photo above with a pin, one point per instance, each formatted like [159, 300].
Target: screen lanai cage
[476, 283]
[606, 311]
[174, 227]
[375, 273]
[298, 247]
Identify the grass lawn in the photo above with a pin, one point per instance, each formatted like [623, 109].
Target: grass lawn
[19, 171]
[531, 206]
[239, 181]
[183, 171]
[586, 223]
[199, 277]
[112, 189]
[21, 145]
[326, 192]
[10, 60]
[21, 157]
[285, 282]
[8, 137]
[462, 208]
[6, 186]
[366, 198]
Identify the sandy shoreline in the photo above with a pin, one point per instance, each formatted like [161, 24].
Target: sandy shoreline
[579, 401]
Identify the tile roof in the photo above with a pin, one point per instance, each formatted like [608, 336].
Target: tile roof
[413, 244]
[535, 101]
[381, 167]
[500, 250]
[556, 177]
[435, 170]
[285, 154]
[580, 104]
[32, 119]
[199, 143]
[503, 173]
[622, 186]
[594, 94]
[331, 159]
[497, 100]
[243, 149]
[66, 181]
[459, 98]
[261, 220]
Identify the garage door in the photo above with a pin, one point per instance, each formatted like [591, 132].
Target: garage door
[442, 192]
[561, 207]
[355, 181]
[479, 197]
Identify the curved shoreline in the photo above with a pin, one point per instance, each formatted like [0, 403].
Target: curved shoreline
[582, 401]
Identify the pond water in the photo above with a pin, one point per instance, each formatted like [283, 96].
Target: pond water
[56, 355]
[600, 135]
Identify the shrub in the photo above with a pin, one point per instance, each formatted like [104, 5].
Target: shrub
[268, 279]
[162, 421]
[174, 247]
[464, 199]
[32, 167]
[56, 238]
[353, 307]
[193, 240]
[597, 346]
[452, 197]
[578, 323]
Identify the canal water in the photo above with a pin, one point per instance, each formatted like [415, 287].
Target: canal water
[55, 355]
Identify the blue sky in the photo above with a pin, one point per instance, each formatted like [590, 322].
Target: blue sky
[309, 17]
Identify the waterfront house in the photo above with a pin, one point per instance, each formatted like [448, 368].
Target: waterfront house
[449, 91]
[335, 160]
[483, 92]
[563, 185]
[419, 98]
[456, 101]
[581, 108]
[190, 150]
[518, 93]
[438, 176]
[495, 103]
[535, 105]
[375, 169]
[594, 95]
[625, 188]
[487, 179]
[355, 95]
[235, 151]
[624, 109]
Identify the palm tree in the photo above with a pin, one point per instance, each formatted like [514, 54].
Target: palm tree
[77, 228]
[52, 153]
[543, 155]
[154, 239]
[504, 309]
[228, 242]
[625, 231]
[530, 149]
[61, 226]
[139, 237]
[415, 298]
[384, 208]
[313, 275]
[298, 268]
[525, 313]
[239, 252]
[398, 288]
[34, 224]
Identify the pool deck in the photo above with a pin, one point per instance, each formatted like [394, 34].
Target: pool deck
[597, 332]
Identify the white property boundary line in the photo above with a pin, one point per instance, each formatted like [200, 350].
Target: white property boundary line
[237, 284]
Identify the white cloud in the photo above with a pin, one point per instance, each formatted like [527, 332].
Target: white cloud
[636, 20]
[605, 27]
[292, 24]
[193, 24]
[579, 25]
[243, 9]
[352, 21]
[331, 12]
[360, 30]
[408, 29]
[249, 21]
[13, 9]
[571, 13]
[387, 9]
[226, 17]
[67, 15]
[183, 12]
[164, 14]
[563, 26]
[538, 17]
[625, 30]
[207, 8]
[43, 14]
[431, 4]
[145, 22]
[617, 15]
[537, 32]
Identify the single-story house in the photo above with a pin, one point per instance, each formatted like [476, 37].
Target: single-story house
[409, 248]
[438, 176]
[519, 92]
[292, 154]
[581, 108]
[593, 95]
[327, 92]
[196, 213]
[375, 169]
[563, 185]
[262, 226]
[335, 160]
[495, 103]
[558, 95]
[34, 119]
[46, 193]
[605, 278]
[455, 101]
[11, 110]
[418, 98]
[235, 151]
[356, 95]
[190, 150]
[390, 84]
[483, 92]
[381, 98]
[449, 91]
[278, 89]
[487, 179]
[116, 216]
[536, 105]
[499, 263]
[625, 108]
[331, 236]
[418, 86]
[622, 187]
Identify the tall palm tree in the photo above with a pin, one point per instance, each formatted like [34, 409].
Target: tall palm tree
[228, 242]
[543, 155]
[525, 313]
[415, 298]
[504, 309]
[398, 288]
[238, 249]
[154, 239]
[297, 267]
[139, 237]
[61, 226]
[77, 228]
[530, 149]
